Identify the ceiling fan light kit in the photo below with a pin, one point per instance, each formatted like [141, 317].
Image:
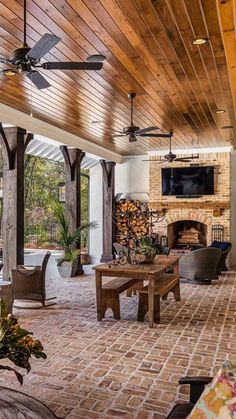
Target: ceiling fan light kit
[200, 41]
[9, 72]
[27, 60]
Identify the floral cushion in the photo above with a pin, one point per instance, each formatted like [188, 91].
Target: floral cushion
[218, 401]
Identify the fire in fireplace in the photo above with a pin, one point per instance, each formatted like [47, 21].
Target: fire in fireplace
[186, 233]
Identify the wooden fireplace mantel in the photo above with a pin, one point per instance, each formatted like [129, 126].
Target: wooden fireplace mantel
[193, 203]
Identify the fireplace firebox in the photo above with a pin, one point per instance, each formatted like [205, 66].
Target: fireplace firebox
[186, 233]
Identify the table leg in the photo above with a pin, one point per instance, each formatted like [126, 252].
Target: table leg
[98, 275]
[151, 296]
[176, 268]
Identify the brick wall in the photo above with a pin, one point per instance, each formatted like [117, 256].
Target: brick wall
[190, 209]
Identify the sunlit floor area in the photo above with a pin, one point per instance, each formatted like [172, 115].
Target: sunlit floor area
[122, 368]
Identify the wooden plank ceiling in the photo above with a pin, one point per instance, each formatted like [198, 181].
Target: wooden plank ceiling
[148, 50]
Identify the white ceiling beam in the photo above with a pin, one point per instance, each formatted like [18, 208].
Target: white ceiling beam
[36, 126]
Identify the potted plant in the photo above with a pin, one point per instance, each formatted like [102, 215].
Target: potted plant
[146, 250]
[17, 344]
[67, 264]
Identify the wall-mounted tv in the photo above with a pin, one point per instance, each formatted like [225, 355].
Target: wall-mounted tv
[188, 181]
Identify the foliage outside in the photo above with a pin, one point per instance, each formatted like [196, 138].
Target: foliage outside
[42, 177]
[67, 239]
[16, 344]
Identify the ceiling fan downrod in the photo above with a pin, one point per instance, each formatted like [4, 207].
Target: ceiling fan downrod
[131, 96]
[25, 43]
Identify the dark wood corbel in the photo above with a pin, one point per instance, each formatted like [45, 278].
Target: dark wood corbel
[108, 172]
[5, 145]
[10, 153]
[72, 163]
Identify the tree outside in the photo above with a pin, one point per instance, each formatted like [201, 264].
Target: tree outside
[42, 177]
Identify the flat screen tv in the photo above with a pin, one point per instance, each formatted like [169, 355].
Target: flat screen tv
[188, 181]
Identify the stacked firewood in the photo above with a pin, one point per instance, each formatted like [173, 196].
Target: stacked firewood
[131, 221]
[190, 236]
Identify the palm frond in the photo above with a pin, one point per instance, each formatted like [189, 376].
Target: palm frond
[66, 239]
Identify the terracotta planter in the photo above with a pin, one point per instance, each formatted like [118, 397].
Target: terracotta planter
[67, 269]
[84, 258]
[144, 258]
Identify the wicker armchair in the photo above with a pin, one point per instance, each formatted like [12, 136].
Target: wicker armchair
[28, 283]
[200, 265]
[225, 249]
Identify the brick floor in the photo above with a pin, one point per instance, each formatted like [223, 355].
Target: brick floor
[124, 369]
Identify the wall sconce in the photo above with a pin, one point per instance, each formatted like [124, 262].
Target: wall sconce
[62, 192]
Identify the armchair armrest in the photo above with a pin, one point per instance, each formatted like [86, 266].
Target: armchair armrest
[197, 385]
[195, 380]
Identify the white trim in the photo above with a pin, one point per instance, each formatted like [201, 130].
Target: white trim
[36, 126]
[225, 149]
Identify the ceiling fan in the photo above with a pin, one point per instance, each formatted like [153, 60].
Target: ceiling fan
[132, 131]
[27, 60]
[170, 157]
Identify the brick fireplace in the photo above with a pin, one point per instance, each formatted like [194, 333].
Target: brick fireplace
[199, 213]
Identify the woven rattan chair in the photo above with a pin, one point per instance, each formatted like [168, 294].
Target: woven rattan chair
[200, 265]
[28, 283]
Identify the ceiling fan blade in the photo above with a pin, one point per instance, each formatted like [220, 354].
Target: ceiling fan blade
[154, 135]
[187, 158]
[183, 160]
[72, 66]
[96, 58]
[144, 130]
[119, 135]
[44, 45]
[39, 81]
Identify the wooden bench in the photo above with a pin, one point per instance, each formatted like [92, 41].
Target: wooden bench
[110, 294]
[168, 283]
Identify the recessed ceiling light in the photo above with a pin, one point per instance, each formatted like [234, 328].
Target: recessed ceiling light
[220, 111]
[9, 72]
[200, 41]
[227, 127]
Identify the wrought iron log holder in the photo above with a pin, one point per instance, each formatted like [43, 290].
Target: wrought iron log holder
[145, 215]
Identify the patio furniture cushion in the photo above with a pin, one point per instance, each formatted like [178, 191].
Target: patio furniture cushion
[218, 398]
[220, 245]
